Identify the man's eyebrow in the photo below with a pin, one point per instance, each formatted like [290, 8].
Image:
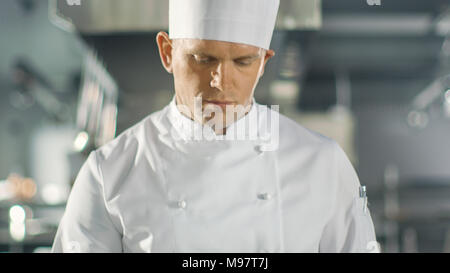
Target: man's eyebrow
[251, 56]
[199, 53]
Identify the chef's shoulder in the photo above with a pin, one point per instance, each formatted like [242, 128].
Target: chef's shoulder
[294, 136]
[300, 144]
[123, 150]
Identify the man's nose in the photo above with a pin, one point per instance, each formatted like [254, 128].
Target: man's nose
[222, 76]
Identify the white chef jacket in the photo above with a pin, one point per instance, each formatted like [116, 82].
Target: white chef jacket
[156, 189]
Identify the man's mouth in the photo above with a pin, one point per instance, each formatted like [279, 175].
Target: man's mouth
[221, 103]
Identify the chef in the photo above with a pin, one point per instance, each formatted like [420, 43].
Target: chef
[198, 177]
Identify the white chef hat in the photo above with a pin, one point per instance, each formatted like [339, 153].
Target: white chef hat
[241, 21]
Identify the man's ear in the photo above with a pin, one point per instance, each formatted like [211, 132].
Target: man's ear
[165, 48]
[269, 54]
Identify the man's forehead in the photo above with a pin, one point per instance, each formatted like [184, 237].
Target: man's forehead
[215, 46]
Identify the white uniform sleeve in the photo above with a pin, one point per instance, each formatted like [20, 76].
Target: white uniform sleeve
[86, 225]
[350, 228]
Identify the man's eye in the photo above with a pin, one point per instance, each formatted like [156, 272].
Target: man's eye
[243, 63]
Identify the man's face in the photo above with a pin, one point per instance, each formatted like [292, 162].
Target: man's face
[223, 74]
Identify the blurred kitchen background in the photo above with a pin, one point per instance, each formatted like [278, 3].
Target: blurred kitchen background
[372, 74]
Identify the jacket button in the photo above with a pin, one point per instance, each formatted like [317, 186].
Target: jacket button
[259, 149]
[265, 196]
[181, 204]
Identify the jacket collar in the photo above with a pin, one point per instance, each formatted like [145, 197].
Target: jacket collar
[254, 126]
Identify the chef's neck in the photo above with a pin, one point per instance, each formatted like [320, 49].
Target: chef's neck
[218, 131]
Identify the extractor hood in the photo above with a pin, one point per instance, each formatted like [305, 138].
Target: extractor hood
[110, 16]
